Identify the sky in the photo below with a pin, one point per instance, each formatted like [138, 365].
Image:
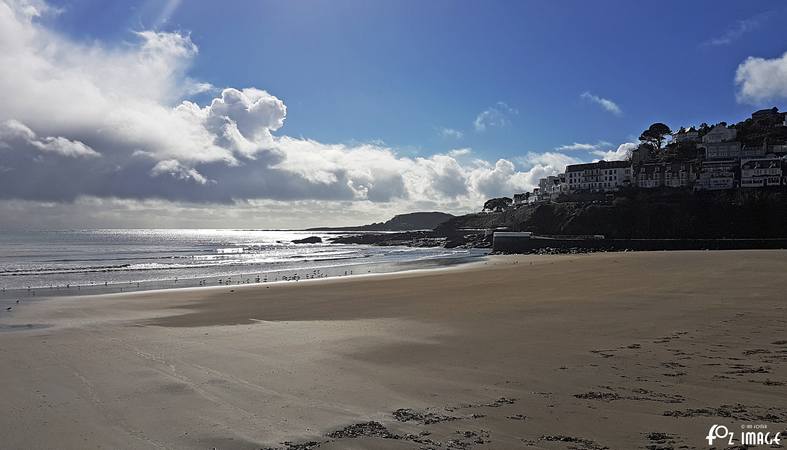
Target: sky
[287, 114]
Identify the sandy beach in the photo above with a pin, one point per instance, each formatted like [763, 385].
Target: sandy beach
[607, 350]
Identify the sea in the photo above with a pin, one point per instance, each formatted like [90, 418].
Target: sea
[82, 262]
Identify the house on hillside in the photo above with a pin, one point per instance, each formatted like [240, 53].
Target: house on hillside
[760, 172]
[598, 176]
[778, 149]
[716, 175]
[521, 199]
[754, 151]
[690, 135]
[770, 115]
[719, 133]
[551, 187]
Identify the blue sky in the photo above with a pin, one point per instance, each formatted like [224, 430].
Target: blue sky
[299, 113]
[401, 71]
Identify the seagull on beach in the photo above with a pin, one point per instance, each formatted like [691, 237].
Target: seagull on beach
[9, 308]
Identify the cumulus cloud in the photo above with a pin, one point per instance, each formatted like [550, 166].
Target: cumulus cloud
[760, 79]
[116, 124]
[605, 103]
[622, 153]
[14, 134]
[495, 116]
[541, 165]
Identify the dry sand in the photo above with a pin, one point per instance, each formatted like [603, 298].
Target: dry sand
[614, 350]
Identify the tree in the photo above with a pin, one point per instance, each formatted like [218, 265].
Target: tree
[654, 135]
[498, 204]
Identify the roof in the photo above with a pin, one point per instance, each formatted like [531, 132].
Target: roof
[766, 112]
[598, 165]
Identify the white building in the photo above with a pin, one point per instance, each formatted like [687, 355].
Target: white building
[716, 175]
[598, 176]
[719, 133]
[760, 172]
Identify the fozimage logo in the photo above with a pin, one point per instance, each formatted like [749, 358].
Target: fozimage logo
[747, 435]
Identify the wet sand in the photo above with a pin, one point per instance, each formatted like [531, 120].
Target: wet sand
[607, 350]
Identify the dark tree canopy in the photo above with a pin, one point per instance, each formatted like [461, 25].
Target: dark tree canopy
[655, 134]
[498, 204]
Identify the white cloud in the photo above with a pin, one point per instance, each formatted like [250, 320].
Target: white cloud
[451, 133]
[760, 80]
[622, 153]
[14, 134]
[458, 152]
[541, 165]
[740, 28]
[607, 104]
[177, 170]
[495, 116]
[73, 102]
[555, 160]
[576, 146]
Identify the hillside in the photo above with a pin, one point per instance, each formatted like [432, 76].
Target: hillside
[667, 214]
[401, 222]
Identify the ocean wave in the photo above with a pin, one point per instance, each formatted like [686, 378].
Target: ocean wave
[173, 266]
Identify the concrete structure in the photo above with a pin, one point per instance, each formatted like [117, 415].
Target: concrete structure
[761, 172]
[719, 133]
[599, 176]
[716, 175]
